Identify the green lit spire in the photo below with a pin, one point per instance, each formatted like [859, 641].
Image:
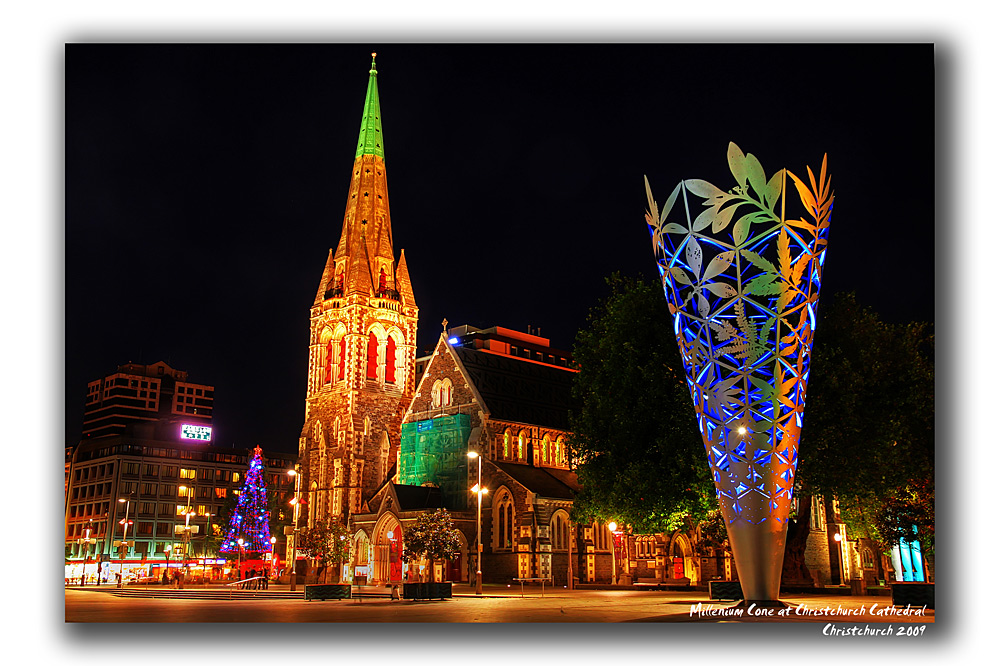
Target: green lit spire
[370, 140]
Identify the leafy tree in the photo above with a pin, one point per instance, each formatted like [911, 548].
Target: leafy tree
[868, 433]
[635, 441]
[328, 542]
[434, 536]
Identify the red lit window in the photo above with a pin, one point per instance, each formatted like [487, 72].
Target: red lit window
[372, 356]
[329, 362]
[390, 359]
[381, 280]
[343, 355]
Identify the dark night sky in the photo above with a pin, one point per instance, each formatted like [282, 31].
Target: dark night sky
[205, 184]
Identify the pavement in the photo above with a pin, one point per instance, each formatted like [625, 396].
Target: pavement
[499, 603]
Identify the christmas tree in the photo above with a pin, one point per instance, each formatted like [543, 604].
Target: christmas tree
[249, 520]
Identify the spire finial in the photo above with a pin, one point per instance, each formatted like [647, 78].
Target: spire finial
[444, 325]
[373, 70]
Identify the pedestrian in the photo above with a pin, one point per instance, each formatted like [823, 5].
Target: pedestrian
[83, 579]
[166, 579]
[267, 577]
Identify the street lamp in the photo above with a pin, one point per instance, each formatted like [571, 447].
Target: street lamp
[480, 491]
[271, 568]
[239, 566]
[295, 526]
[616, 540]
[86, 553]
[123, 547]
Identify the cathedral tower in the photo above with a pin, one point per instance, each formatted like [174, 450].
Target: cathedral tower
[362, 344]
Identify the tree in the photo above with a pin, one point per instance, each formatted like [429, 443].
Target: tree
[434, 536]
[868, 432]
[328, 542]
[635, 440]
[250, 519]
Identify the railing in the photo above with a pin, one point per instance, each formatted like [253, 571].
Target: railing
[242, 581]
[522, 581]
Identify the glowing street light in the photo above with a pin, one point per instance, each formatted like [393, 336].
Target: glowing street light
[480, 491]
[123, 547]
[295, 526]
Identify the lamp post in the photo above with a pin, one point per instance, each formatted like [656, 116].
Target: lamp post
[480, 491]
[239, 565]
[86, 553]
[616, 540]
[295, 526]
[123, 548]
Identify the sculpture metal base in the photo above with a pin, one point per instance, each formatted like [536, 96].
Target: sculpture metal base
[758, 552]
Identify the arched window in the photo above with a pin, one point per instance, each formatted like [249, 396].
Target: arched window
[503, 521]
[506, 444]
[601, 535]
[560, 453]
[559, 528]
[381, 281]
[312, 504]
[546, 443]
[340, 284]
[868, 558]
[645, 547]
[372, 356]
[520, 445]
[328, 375]
[343, 358]
[390, 360]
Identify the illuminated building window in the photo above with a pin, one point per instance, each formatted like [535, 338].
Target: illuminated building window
[817, 517]
[868, 558]
[342, 360]
[645, 547]
[559, 528]
[390, 358]
[372, 371]
[601, 535]
[329, 362]
[503, 521]
[546, 443]
[441, 393]
[520, 445]
[506, 444]
[187, 473]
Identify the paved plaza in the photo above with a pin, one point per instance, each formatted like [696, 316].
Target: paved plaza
[498, 604]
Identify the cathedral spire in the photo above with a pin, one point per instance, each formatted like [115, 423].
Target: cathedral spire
[370, 138]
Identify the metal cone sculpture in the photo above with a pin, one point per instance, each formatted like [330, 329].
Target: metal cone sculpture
[742, 280]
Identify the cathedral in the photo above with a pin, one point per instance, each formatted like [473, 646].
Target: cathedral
[381, 445]
[362, 344]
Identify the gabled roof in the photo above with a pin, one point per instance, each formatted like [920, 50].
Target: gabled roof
[519, 390]
[542, 481]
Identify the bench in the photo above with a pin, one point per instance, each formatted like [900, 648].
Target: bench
[725, 589]
[323, 592]
[522, 581]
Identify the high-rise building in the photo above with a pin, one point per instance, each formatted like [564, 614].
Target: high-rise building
[155, 395]
[362, 343]
[147, 459]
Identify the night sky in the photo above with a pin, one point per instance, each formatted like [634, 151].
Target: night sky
[205, 185]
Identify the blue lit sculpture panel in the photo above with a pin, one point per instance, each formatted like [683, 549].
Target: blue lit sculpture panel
[741, 276]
